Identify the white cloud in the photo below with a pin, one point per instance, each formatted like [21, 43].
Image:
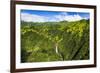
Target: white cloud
[73, 18]
[60, 17]
[32, 18]
[65, 16]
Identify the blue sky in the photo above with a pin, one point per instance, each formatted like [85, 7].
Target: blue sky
[52, 16]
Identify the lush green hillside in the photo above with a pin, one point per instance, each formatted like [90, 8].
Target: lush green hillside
[54, 41]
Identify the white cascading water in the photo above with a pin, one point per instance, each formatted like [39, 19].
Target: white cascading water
[56, 49]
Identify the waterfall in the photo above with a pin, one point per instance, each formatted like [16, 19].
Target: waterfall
[56, 49]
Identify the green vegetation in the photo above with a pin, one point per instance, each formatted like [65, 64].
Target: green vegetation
[54, 41]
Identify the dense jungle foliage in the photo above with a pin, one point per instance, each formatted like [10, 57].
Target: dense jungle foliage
[54, 41]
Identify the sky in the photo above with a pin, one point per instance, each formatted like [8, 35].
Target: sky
[52, 16]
